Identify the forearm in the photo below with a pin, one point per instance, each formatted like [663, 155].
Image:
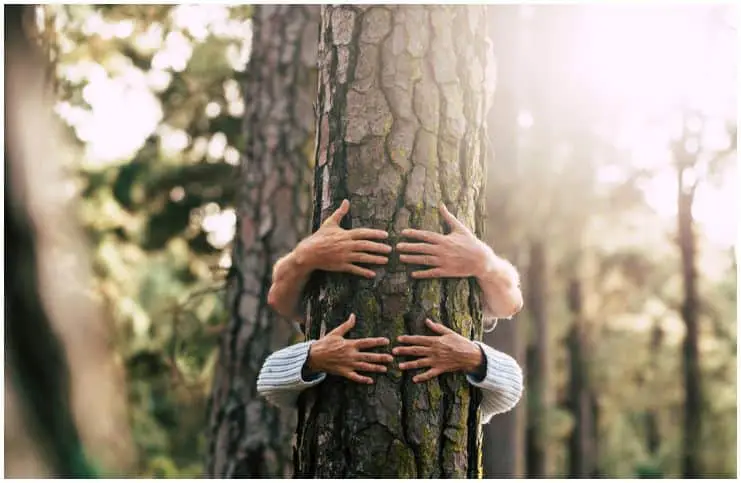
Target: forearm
[500, 284]
[290, 275]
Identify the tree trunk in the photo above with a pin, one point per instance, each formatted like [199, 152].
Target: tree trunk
[581, 441]
[248, 437]
[400, 129]
[653, 437]
[504, 435]
[38, 383]
[690, 352]
[537, 363]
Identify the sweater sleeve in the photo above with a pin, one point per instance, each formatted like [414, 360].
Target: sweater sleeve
[501, 386]
[280, 380]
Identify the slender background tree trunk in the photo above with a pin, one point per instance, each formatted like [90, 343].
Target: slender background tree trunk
[537, 362]
[248, 437]
[400, 129]
[690, 351]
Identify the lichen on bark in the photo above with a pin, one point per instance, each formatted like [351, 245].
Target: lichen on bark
[401, 124]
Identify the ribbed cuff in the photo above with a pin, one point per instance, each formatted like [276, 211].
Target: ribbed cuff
[283, 370]
[502, 385]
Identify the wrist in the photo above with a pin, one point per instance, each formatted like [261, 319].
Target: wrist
[489, 262]
[302, 258]
[473, 358]
[311, 359]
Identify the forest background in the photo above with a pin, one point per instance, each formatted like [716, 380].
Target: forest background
[623, 120]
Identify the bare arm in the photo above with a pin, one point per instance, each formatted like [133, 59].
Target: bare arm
[290, 276]
[461, 254]
[330, 248]
[500, 283]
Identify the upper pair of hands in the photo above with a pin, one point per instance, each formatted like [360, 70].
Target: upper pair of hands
[332, 248]
[457, 254]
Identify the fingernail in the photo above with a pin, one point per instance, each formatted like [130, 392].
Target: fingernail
[394, 351]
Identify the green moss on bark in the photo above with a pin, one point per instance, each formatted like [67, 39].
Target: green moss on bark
[402, 132]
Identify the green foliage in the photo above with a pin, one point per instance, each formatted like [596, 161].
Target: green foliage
[156, 205]
[146, 207]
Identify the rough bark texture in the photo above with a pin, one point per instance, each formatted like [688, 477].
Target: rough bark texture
[248, 437]
[400, 129]
[504, 436]
[690, 352]
[537, 363]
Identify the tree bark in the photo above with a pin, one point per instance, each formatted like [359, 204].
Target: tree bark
[537, 363]
[248, 437]
[400, 129]
[503, 451]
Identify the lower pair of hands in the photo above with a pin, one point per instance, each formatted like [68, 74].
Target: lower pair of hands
[446, 352]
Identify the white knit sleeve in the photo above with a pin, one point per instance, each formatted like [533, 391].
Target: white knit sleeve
[280, 380]
[502, 386]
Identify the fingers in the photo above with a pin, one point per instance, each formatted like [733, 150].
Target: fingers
[360, 257]
[431, 273]
[416, 364]
[416, 350]
[452, 221]
[339, 213]
[438, 328]
[368, 234]
[345, 327]
[354, 376]
[418, 248]
[430, 260]
[370, 342]
[377, 358]
[427, 236]
[427, 375]
[368, 367]
[369, 246]
[356, 270]
[424, 340]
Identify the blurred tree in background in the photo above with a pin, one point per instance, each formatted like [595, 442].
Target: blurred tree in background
[249, 438]
[614, 135]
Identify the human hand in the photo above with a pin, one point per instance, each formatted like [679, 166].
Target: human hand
[334, 249]
[447, 352]
[458, 254]
[334, 354]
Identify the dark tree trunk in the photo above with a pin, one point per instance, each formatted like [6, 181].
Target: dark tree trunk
[653, 437]
[38, 376]
[400, 129]
[537, 363]
[504, 435]
[690, 353]
[582, 445]
[248, 437]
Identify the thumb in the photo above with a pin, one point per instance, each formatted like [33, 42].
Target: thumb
[339, 213]
[452, 221]
[437, 328]
[345, 327]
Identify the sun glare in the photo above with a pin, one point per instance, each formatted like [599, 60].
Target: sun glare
[650, 63]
